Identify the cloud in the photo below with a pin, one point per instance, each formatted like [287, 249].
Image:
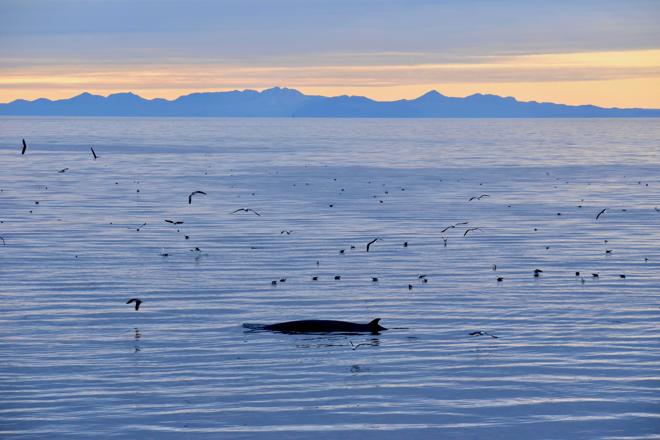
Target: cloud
[116, 45]
[589, 66]
[245, 31]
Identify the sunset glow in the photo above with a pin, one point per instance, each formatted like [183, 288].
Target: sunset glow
[401, 51]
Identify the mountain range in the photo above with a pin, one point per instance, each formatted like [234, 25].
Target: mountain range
[284, 102]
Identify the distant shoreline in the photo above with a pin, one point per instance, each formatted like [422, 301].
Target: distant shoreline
[290, 103]
[316, 118]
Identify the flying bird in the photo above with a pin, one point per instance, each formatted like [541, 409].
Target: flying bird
[137, 302]
[63, 170]
[478, 197]
[192, 194]
[93, 153]
[483, 333]
[174, 222]
[24, 147]
[246, 210]
[3, 241]
[370, 243]
[454, 225]
[355, 346]
[470, 230]
[600, 213]
[286, 232]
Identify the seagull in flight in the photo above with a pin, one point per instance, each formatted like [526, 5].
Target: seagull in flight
[63, 170]
[192, 194]
[370, 243]
[246, 210]
[454, 225]
[483, 333]
[174, 222]
[470, 230]
[137, 302]
[478, 197]
[600, 213]
[95, 156]
[24, 147]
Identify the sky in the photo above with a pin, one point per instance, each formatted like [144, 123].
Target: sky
[576, 52]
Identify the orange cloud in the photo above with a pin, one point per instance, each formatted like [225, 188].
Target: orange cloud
[614, 78]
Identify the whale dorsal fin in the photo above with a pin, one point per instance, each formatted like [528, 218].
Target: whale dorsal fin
[374, 323]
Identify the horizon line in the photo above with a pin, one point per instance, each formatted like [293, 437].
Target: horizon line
[262, 90]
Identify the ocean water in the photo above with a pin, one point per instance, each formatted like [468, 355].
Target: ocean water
[575, 356]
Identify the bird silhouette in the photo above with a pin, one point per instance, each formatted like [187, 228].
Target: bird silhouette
[470, 230]
[370, 243]
[137, 302]
[192, 194]
[483, 333]
[246, 210]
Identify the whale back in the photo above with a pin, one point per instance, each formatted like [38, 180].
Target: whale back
[324, 326]
[375, 326]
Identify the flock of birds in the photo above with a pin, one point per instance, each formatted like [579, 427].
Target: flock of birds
[136, 302]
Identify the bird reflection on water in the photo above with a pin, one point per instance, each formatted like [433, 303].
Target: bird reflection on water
[137, 335]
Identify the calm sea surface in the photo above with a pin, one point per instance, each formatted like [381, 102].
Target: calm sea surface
[575, 356]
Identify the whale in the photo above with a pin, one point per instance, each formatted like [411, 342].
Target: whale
[320, 326]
